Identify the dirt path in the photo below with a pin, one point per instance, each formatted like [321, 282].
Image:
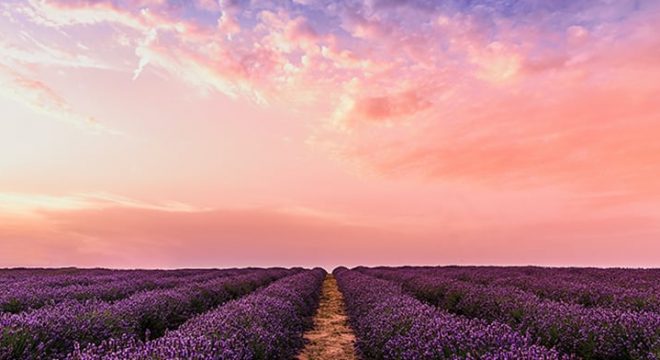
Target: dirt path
[331, 338]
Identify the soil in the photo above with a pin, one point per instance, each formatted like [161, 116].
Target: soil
[331, 337]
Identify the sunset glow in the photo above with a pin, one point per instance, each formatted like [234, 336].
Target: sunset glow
[163, 133]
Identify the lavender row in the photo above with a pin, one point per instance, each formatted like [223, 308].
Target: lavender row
[584, 293]
[588, 287]
[42, 279]
[646, 280]
[11, 279]
[33, 295]
[643, 279]
[392, 325]
[267, 324]
[72, 276]
[35, 279]
[591, 333]
[52, 331]
[557, 284]
[18, 274]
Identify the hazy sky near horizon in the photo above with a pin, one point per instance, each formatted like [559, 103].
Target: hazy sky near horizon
[167, 133]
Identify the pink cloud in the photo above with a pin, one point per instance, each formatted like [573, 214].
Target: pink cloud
[581, 117]
[126, 237]
[130, 237]
[382, 108]
[42, 99]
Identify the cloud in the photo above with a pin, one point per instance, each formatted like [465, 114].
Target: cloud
[34, 204]
[41, 99]
[127, 233]
[281, 54]
[530, 95]
[22, 55]
[67, 13]
[110, 230]
[143, 52]
[185, 49]
[498, 110]
[384, 108]
[34, 52]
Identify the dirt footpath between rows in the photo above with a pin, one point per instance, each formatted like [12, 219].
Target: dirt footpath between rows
[331, 338]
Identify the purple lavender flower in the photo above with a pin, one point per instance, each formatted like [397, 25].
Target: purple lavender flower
[392, 325]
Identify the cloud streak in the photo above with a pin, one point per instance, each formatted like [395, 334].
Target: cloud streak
[42, 99]
[128, 234]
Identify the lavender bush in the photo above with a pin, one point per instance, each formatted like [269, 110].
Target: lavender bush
[590, 333]
[267, 324]
[451, 312]
[52, 331]
[627, 290]
[392, 325]
[34, 293]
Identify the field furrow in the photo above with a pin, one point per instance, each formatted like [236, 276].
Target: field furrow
[331, 338]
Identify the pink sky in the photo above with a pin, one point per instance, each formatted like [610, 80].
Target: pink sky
[307, 132]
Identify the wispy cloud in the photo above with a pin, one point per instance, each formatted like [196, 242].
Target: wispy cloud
[44, 100]
[34, 204]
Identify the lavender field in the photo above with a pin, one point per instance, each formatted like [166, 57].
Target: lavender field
[386, 313]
